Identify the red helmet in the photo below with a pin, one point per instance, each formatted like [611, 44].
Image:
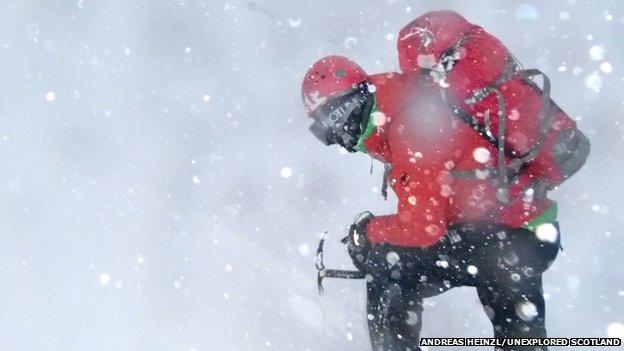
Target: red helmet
[327, 78]
[336, 96]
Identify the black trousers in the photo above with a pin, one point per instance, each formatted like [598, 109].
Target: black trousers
[505, 265]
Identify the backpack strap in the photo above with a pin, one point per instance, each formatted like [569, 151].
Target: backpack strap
[545, 112]
[384, 182]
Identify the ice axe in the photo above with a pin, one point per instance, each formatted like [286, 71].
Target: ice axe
[332, 273]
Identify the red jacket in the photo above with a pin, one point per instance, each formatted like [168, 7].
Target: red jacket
[423, 142]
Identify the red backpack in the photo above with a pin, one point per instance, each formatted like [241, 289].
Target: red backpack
[486, 87]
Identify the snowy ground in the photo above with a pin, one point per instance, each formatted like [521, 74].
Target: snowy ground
[160, 190]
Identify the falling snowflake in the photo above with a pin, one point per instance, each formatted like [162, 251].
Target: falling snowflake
[442, 263]
[304, 250]
[286, 172]
[104, 278]
[593, 82]
[547, 232]
[514, 114]
[392, 258]
[379, 118]
[615, 330]
[432, 229]
[412, 318]
[481, 155]
[527, 12]
[294, 22]
[606, 67]
[526, 310]
[596, 52]
[350, 42]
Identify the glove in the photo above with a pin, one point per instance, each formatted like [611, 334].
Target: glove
[357, 241]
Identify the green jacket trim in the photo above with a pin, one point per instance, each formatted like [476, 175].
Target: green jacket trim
[370, 128]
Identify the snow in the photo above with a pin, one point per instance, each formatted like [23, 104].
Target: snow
[350, 42]
[432, 229]
[412, 318]
[511, 258]
[104, 278]
[526, 310]
[514, 114]
[294, 22]
[593, 82]
[547, 232]
[527, 12]
[446, 190]
[286, 172]
[615, 330]
[481, 155]
[606, 67]
[442, 263]
[378, 118]
[304, 250]
[596, 52]
[392, 258]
